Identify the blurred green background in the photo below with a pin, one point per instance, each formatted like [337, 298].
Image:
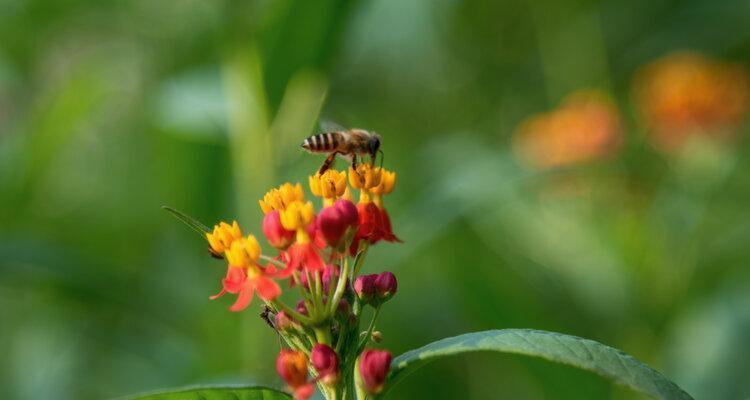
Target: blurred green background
[109, 110]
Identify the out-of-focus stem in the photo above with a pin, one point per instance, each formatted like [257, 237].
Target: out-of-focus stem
[292, 313]
[360, 259]
[369, 329]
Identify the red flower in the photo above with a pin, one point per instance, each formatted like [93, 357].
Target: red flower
[239, 282]
[303, 255]
[334, 221]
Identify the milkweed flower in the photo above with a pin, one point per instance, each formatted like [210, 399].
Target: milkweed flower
[222, 237]
[245, 277]
[281, 197]
[687, 94]
[585, 127]
[298, 217]
[277, 235]
[330, 185]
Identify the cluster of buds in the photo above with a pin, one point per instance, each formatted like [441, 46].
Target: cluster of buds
[321, 254]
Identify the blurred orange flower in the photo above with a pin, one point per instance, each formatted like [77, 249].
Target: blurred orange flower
[685, 94]
[586, 126]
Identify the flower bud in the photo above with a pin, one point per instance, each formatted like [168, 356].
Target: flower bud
[301, 307]
[325, 361]
[344, 312]
[385, 285]
[283, 322]
[333, 224]
[364, 287]
[330, 274]
[348, 211]
[292, 367]
[373, 369]
[277, 236]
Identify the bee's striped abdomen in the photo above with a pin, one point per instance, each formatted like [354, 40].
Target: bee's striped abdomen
[323, 142]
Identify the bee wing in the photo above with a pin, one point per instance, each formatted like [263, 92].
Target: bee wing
[327, 125]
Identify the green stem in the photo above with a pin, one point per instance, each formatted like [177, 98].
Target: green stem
[360, 259]
[340, 287]
[369, 330]
[292, 313]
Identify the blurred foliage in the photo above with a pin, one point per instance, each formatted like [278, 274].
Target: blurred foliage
[109, 110]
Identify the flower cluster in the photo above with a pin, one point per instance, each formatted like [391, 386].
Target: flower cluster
[321, 254]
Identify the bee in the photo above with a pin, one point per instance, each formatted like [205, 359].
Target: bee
[349, 143]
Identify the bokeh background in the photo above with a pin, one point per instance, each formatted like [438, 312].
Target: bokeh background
[575, 166]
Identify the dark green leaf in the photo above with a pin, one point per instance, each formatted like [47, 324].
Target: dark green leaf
[216, 393]
[571, 350]
[193, 223]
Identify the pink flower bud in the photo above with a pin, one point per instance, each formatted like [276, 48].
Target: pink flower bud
[373, 369]
[283, 322]
[348, 211]
[385, 285]
[331, 273]
[325, 361]
[364, 287]
[301, 308]
[332, 225]
[277, 236]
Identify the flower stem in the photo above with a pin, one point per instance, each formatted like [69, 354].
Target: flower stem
[340, 287]
[360, 258]
[369, 329]
[292, 313]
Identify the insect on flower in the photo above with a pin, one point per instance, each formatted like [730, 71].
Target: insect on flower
[349, 143]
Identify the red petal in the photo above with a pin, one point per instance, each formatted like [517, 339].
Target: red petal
[313, 262]
[243, 300]
[267, 288]
[217, 295]
[304, 392]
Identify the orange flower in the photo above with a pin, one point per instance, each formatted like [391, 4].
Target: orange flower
[585, 127]
[685, 94]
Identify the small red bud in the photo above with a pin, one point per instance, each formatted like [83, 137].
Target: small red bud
[301, 308]
[292, 367]
[385, 285]
[331, 271]
[348, 211]
[332, 225]
[325, 361]
[283, 322]
[364, 287]
[277, 236]
[373, 369]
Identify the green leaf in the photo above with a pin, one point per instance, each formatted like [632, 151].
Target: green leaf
[571, 350]
[193, 223]
[216, 393]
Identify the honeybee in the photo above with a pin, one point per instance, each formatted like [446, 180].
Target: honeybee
[349, 143]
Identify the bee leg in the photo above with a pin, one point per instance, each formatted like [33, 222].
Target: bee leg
[354, 162]
[327, 163]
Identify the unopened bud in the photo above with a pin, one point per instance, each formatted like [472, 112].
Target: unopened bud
[385, 285]
[377, 336]
[277, 236]
[283, 322]
[364, 287]
[301, 307]
[334, 221]
[373, 369]
[292, 367]
[326, 363]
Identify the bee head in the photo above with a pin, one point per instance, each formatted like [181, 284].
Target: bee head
[374, 145]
